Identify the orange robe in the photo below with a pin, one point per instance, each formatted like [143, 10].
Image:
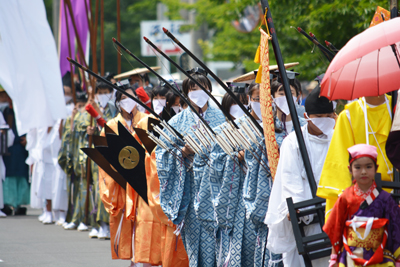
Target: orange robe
[114, 199]
[166, 245]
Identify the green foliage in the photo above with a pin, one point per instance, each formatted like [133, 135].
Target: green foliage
[336, 21]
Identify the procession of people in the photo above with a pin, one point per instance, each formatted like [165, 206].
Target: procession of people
[171, 176]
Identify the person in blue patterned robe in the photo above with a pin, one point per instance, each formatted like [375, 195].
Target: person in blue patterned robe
[179, 186]
[240, 200]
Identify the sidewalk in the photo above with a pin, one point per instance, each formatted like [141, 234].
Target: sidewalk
[24, 241]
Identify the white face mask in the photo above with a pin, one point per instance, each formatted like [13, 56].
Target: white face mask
[103, 99]
[282, 104]
[199, 97]
[176, 109]
[127, 104]
[256, 106]
[70, 107]
[325, 124]
[67, 98]
[236, 111]
[158, 105]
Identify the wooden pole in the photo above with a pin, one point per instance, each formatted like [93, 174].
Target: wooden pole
[88, 162]
[93, 83]
[118, 34]
[102, 36]
[94, 32]
[70, 54]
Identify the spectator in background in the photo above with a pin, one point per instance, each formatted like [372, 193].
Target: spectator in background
[147, 83]
[16, 187]
[136, 82]
[10, 141]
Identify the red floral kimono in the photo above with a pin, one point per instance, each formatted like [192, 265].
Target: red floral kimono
[364, 228]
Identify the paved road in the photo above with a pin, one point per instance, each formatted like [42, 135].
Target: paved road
[24, 241]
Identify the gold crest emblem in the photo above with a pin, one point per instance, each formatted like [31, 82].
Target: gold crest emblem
[128, 157]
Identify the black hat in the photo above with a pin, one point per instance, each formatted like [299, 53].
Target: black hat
[241, 88]
[197, 70]
[109, 75]
[290, 74]
[177, 84]
[81, 97]
[316, 104]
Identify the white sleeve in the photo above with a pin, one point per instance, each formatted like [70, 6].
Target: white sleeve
[288, 183]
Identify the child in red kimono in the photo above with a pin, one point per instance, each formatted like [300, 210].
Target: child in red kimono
[364, 226]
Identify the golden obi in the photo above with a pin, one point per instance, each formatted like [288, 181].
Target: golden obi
[373, 240]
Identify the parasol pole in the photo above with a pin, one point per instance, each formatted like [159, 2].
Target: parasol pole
[289, 99]
[394, 9]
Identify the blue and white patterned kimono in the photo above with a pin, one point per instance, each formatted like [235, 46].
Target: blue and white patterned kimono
[220, 202]
[179, 189]
[256, 193]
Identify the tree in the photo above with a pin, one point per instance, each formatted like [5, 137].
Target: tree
[336, 21]
[130, 17]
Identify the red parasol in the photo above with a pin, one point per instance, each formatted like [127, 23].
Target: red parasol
[366, 65]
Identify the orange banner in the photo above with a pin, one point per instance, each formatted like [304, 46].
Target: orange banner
[266, 103]
[379, 13]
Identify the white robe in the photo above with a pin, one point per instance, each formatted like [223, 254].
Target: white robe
[44, 168]
[10, 141]
[59, 190]
[33, 158]
[291, 181]
[48, 179]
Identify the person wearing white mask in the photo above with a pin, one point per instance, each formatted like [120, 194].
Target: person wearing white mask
[254, 97]
[103, 95]
[103, 104]
[180, 187]
[173, 100]
[158, 98]
[129, 116]
[283, 118]
[68, 99]
[291, 179]
[230, 105]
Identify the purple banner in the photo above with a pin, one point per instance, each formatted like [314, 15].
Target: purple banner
[79, 14]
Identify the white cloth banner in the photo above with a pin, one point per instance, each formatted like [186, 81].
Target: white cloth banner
[29, 68]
